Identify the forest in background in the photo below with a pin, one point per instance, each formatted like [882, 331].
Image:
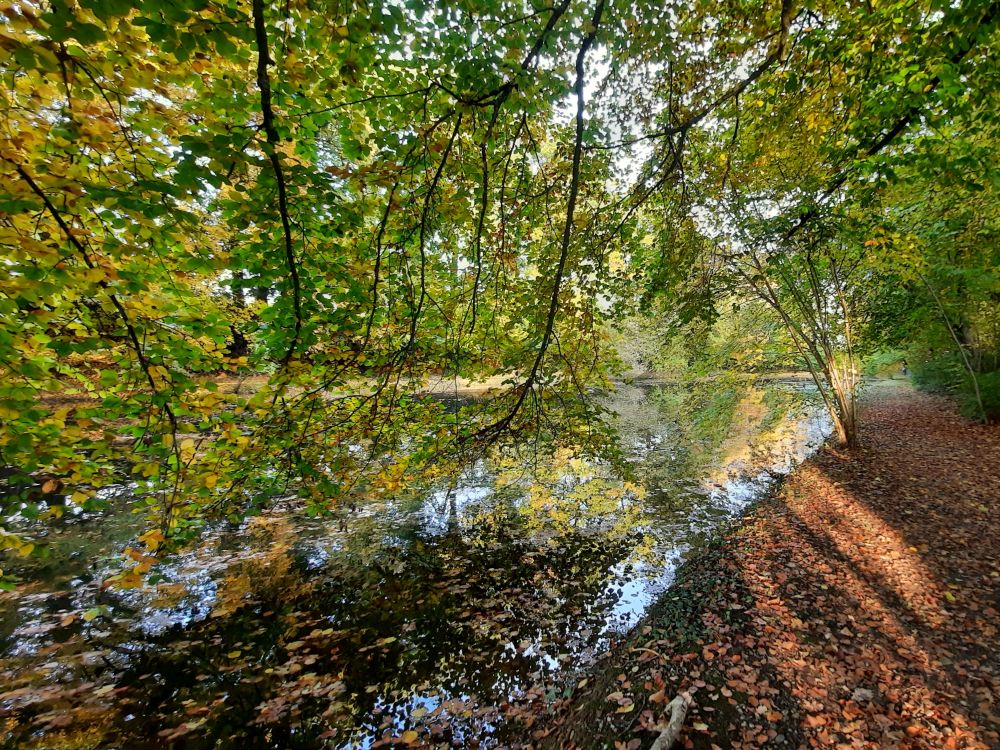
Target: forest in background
[339, 202]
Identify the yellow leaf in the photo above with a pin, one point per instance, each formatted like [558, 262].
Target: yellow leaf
[153, 538]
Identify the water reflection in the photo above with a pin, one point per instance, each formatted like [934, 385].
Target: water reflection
[435, 615]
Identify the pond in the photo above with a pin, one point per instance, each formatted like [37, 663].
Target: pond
[435, 617]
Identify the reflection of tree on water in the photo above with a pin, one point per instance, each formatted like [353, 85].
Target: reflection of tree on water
[471, 618]
[437, 610]
[684, 425]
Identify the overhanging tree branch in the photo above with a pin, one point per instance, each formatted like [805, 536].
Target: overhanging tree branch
[133, 335]
[267, 112]
[900, 126]
[567, 233]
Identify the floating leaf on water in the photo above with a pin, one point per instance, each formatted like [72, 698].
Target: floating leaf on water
[94, 612]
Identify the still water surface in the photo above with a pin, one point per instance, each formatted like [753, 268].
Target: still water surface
[435, 616]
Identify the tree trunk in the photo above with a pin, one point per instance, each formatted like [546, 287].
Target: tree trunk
[846, 420]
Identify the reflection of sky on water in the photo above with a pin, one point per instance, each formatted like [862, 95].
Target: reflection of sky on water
[446, 507]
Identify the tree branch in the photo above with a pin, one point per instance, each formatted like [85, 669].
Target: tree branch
[574, 189]
[267, 112]
[133, 335]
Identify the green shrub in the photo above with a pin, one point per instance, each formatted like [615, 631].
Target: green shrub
[942, 374]
[989, 391]
[884, 362]
[948, 375]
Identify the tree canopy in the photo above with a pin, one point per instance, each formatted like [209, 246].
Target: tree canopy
[336, 202]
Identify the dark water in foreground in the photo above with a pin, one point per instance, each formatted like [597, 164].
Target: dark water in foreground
[433, 617]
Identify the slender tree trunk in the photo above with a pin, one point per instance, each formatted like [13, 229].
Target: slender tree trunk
[239, 346]
[847, 425]
[961, 347]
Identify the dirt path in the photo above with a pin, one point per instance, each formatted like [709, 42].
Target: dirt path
[859, 608]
